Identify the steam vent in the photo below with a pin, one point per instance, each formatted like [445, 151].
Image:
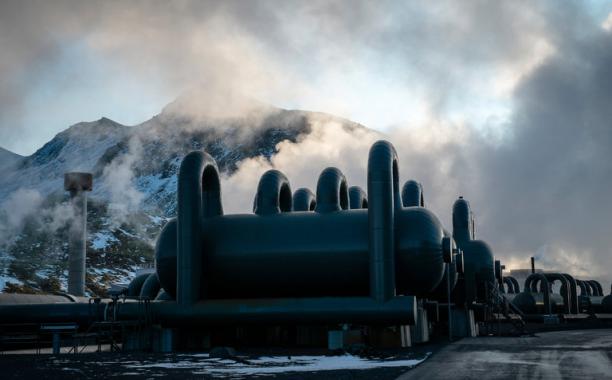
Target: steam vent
[334, 267]
[77, 184]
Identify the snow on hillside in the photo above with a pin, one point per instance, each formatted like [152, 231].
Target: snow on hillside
[135, 182]
[8, 158]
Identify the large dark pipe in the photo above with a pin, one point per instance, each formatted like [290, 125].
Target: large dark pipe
[573, 289]
[332, 191]
[384, 199]
[326, 310]
[150, 288]
[509, 284]
[273, 194]
[199, 197]
[135, 285]
[479, 263]
[515, 284]
[591, 290]
[304, 200]
[597, 288]
[81, 313]
[357, 198]
[565, 284]
[535, 277]
[463, 221]
[412, 194]
[585, 290]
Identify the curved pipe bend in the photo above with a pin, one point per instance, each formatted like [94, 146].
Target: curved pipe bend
[515, 284]
[597, 288]
[357, 198]
[412, 194]
[150, 288]
[199, 197]
[332, 191]
[534, 278]
[273, 194]
[463, 221]
[573, 292]
[584, 289]
[509, 284]
[304, 200]
[591, 289]
[565, 283]
[383, 200]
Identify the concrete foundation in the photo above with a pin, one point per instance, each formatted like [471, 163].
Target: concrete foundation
[389, 337]
[420, 331]
[463, 323]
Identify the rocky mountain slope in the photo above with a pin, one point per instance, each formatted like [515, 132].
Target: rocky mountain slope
[134, 192]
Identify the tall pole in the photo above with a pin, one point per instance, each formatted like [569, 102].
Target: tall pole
[77, 184]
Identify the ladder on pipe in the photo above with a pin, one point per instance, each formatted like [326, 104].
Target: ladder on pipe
[501, 306]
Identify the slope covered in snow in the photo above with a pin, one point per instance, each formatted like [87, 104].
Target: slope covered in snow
[134, 192]
[8, 159]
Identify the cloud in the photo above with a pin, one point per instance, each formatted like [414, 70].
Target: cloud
[504, 103]
[118, 183]
[340, 58]
[28, 206]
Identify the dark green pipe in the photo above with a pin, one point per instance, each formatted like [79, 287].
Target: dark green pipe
[412, 194]
[332, 191]
[328, 310]
[80, 313]
[150, 288]
[273, 194]
[383, 200]
[199, 197]
[136, 284]
[357, 198]
[304, 200]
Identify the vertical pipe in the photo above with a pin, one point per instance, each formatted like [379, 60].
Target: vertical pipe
[532, 265]
[76, 245]
[77, 184]
[383, 199]
[199, 197]
[448, 303]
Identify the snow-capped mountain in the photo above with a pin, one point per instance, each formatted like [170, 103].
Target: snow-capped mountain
[8, 158]
[134, 192]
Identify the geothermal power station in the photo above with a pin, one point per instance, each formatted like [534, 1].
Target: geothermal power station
[332, 268]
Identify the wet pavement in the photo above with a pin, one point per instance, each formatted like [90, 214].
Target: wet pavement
[578, 354]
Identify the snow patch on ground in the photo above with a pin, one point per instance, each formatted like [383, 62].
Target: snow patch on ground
[101, 240]
[5, 278]
[202, 364]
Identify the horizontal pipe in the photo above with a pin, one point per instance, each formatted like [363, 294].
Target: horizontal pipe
[80, 313]
[325, 310]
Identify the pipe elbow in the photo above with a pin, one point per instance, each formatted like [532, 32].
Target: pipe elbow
[332, 191]
[357, 198]
[412, 194]
[304, 200]
[273, 194]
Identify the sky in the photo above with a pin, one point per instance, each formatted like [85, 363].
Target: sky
[508, 102]
[383, 64]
